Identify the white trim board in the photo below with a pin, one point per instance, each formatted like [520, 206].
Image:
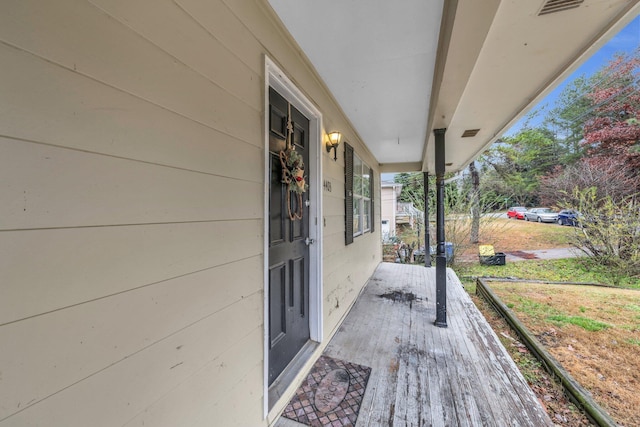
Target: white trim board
[275, 77]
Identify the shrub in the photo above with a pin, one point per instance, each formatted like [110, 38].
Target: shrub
[609, 230]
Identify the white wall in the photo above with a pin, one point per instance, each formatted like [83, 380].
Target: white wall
[389, 203]
[131, 211]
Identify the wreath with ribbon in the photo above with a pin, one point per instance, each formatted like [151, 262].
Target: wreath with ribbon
[293, 173]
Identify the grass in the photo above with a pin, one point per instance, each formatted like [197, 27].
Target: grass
[534, 308]
[530, 367]
[591, 330]
[583, 322]
[545, 310]
[508, 235]
[558, 270]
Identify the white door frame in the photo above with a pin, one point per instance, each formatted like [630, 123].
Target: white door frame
[275, 78]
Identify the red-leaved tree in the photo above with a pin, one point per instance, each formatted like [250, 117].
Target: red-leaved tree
[608, 176]
[613, 128]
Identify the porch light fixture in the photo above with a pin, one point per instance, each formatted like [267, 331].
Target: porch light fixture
[332, 144]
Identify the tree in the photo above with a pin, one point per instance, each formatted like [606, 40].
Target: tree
[460, 200]
[609, 232]
[412, 188]
[608, 176]
[571, 109]
[614, 128]
[521, 159]
[474, 196]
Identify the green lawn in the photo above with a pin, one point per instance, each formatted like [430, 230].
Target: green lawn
[558, 270]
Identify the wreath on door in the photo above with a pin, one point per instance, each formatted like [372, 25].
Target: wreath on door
[293, 173]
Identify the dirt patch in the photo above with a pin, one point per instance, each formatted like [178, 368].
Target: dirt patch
[522, 254]
[594, 332]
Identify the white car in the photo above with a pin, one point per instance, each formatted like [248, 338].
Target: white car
[541, 215]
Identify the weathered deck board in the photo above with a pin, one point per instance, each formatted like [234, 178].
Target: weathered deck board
[423, 375]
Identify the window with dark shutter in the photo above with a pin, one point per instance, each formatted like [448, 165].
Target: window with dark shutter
[372, 222]
[348, 194]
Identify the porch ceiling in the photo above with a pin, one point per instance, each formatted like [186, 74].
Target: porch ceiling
[401, 69]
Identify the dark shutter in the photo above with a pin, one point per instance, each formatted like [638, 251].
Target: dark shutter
[372, 214]
[348, 194]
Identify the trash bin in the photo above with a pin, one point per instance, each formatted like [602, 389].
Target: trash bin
[448, 251]
[497, 259]
[489, 257]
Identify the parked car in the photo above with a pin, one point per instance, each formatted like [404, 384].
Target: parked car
[568, 217]
[541, 215]
[516, 212]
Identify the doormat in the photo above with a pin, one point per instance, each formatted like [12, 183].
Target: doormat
[331, 394]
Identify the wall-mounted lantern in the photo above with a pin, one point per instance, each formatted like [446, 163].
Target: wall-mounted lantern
[333, 142]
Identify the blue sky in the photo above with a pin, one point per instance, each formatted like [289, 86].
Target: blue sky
[627, 40]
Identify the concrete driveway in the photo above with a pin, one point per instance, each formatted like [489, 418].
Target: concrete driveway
[555, 253]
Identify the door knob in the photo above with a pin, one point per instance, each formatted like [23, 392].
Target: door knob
[309, 241]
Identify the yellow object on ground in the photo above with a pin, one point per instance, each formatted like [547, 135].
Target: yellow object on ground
[486, 250]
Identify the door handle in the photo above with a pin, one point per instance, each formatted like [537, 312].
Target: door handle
[308, 241]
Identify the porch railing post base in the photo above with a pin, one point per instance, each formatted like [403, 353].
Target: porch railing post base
[441, 291]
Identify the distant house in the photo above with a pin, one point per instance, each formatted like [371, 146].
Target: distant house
[408, 216]
[388, 206]
[396, 215]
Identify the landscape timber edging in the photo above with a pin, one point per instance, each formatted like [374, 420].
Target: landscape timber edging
[573, 389]
[544, 282]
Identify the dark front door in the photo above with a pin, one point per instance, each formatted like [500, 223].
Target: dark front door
[288, 244]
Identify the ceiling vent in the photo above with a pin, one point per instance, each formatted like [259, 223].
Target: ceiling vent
[470, 133]
[552, 6]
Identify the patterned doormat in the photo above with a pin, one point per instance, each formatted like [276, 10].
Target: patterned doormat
[331, 394]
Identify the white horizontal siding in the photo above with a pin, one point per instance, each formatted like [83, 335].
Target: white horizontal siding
[240, 405]
[45, 270]
[131, 223]
[173, 30]
[218, 19]
[70, 188]
[117, 394]
[346, 268]
[48, 104]
[122, 59]
[81, 340]
[205, 395]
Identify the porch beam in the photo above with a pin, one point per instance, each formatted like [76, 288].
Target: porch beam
[441, 258]
[400, 167]
[427, 244]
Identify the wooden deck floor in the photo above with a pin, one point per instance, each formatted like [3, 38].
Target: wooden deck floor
[423, 375]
